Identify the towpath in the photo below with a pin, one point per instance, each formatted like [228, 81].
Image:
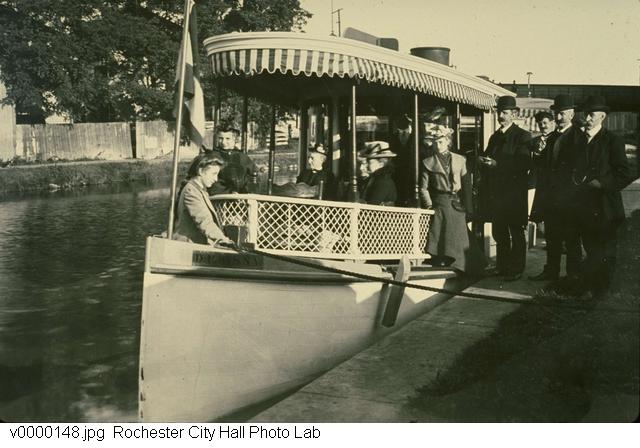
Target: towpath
[473, 360]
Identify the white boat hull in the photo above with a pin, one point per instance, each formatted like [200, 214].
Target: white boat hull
[214, 342]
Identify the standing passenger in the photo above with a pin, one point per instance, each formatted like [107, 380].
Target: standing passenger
[445, 186]
[239, 168]
[505, 164]
[402, 145]
[599, 171]
[551, 189]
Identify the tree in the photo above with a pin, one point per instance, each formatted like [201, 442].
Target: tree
[106, 60]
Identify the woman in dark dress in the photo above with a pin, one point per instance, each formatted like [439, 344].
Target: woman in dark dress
[379, 189]
[446, 187]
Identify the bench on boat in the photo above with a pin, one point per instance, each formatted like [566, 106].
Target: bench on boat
[324, 229]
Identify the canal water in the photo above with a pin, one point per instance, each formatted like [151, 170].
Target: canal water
[71, 267]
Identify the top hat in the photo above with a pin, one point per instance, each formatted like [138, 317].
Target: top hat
[595, 103]
[437, 132]
[378, 150]
[507, 102]
[319, 148]
[403, 122]
[563, 102]
[539, 116]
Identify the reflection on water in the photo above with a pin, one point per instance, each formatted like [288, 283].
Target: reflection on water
[71, 268]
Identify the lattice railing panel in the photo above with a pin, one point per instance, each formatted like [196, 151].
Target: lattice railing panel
[385, 232]
[326, 229]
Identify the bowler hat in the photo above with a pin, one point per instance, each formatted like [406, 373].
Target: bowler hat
[563, 102]
[378, 150]
[542, 115]
[595, 103]
[507, 102]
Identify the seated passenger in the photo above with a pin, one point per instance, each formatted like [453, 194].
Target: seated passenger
[235, 177]
[195, 220]
[379, 188]
[317, 173]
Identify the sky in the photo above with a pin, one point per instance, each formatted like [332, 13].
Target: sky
[559, 41]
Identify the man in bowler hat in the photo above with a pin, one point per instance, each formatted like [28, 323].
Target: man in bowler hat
[599, 170]
[551, 186]
[503, 189]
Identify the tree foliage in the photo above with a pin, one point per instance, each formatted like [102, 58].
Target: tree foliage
[109, 60]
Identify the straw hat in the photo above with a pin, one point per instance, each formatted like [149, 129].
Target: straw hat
[377, 150]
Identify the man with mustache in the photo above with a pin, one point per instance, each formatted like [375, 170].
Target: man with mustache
[550, 190]
[597, 170]
[504, 167]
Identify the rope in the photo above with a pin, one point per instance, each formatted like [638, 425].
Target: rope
[526, 301]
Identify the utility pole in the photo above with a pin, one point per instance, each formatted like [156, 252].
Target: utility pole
[336, 11]
[529, 84]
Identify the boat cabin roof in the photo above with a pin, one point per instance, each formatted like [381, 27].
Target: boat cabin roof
[291, 67]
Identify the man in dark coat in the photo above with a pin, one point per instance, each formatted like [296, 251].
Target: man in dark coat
[401, 143]
[552, 180]
[505, 164]
[235, 177]
[317, 173]
[599, 171]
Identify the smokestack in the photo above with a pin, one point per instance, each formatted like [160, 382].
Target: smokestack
[436, 54]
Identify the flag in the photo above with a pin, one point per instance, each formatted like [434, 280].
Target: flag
[193, 98]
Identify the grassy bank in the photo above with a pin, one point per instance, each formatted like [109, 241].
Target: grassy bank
[79, 174]
[68, 175]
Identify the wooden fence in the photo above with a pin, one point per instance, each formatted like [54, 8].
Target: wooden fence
[109, 141]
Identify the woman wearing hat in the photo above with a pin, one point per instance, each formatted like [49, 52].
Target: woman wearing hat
[316, 175]
[445, 186]
[379, 188]
[195, 214]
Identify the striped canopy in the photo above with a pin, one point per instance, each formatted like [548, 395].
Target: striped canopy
[297, 55]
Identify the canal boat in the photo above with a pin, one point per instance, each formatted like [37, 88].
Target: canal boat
[226, 329]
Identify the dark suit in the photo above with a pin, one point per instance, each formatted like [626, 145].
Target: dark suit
[313, 178]
[597, 212]
[552, 180]
[503, 196]
[236, 174]
[380, 188]
[403, 175]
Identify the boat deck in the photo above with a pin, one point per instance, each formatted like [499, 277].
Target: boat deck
[474, 360]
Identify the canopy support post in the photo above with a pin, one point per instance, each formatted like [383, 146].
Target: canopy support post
[272, 149]
[353, 187]
[456, 124]
[303, 138]
[216, 112]
[416, 153]
[245, 123]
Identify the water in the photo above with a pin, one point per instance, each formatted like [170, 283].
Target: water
[71, 266]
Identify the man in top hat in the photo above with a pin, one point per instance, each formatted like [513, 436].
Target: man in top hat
[379, 188]
[503, 188]
[599, 170]
[239, 168]
[401, 144]
[551, 187]
[316, 174]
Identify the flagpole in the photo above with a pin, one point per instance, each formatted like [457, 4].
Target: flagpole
[176, 141]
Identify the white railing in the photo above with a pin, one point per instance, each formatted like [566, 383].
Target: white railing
[325, 229]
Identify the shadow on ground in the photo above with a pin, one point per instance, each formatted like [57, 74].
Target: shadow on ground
[550, 363]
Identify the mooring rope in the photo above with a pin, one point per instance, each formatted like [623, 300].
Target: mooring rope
[528, 300]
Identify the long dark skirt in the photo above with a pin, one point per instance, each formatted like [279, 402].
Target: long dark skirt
[449, 237]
